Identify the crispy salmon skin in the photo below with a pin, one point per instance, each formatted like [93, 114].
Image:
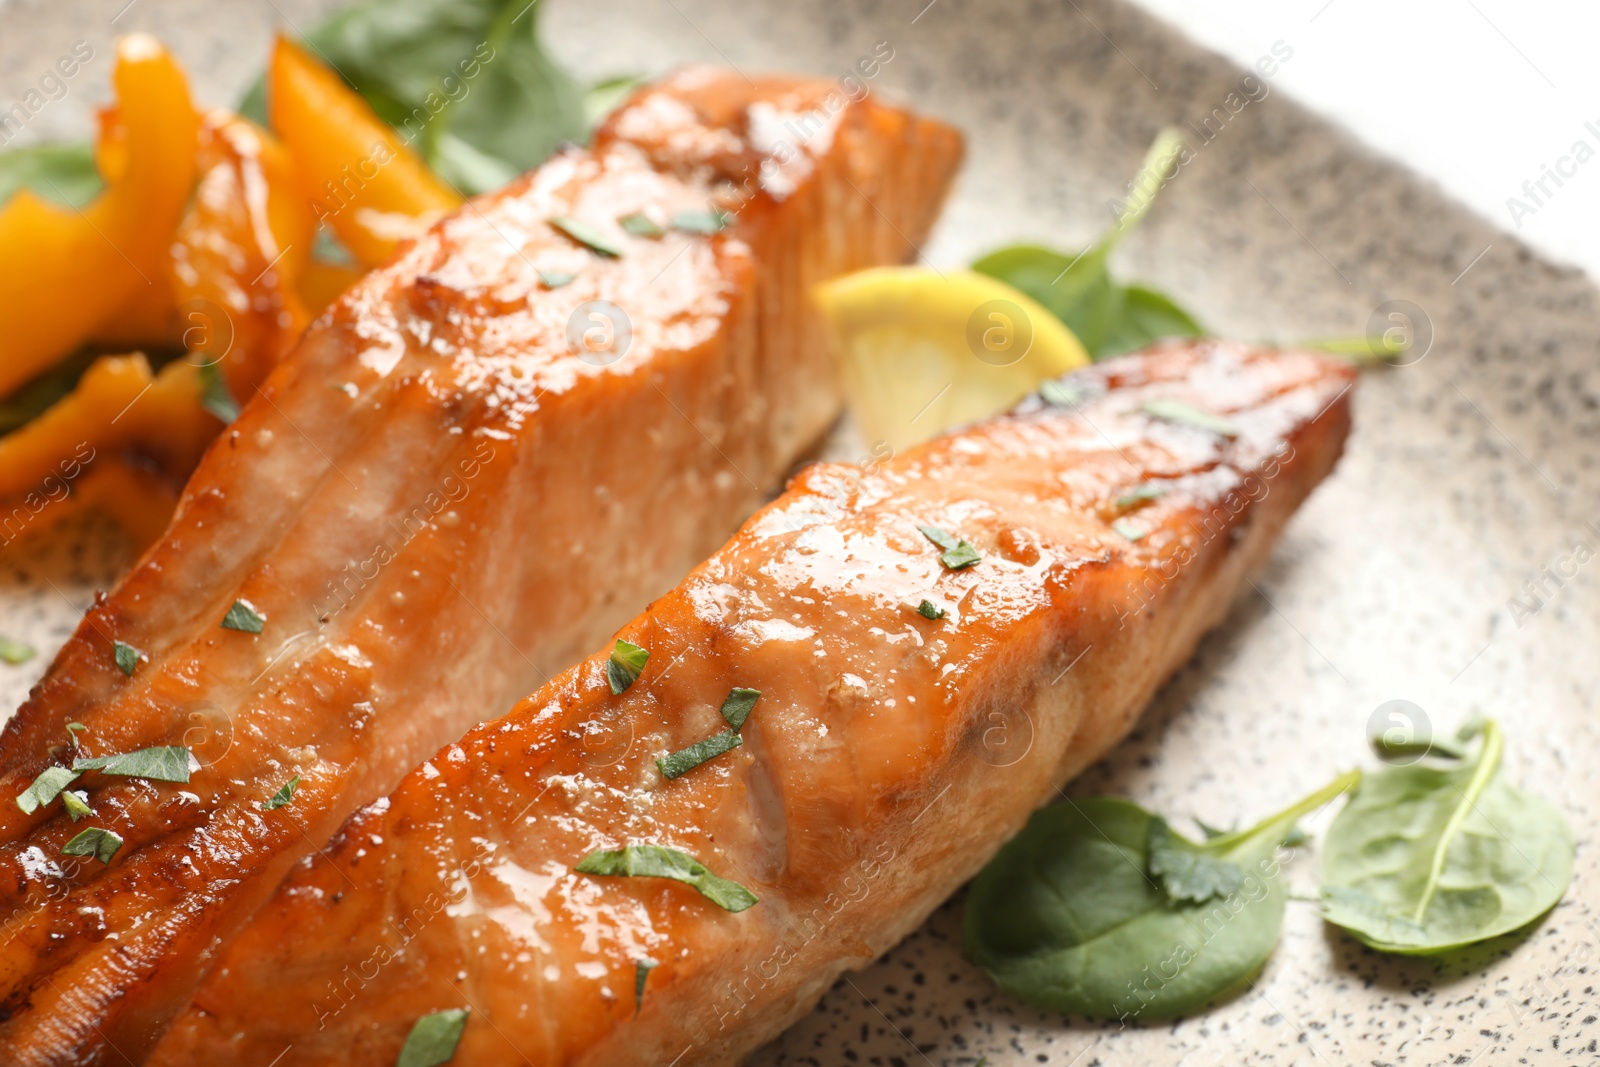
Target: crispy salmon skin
[937, 643]
[477, 464]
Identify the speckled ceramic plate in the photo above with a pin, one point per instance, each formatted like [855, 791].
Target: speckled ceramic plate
[1417, 573]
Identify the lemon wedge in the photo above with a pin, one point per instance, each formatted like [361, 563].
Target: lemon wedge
[923, 351]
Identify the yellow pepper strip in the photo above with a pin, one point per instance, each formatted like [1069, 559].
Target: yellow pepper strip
[363, 180]
[118, 412]
[68, 269]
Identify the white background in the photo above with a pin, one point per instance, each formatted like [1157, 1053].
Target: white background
[1478, 95]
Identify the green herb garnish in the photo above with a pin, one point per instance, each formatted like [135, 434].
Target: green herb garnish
[701, 221]
[640, 225]
[929, 610]
[555, 279]
[126, 655]
[433, 1039]
[45, 788]
[218, 396]
[587, 235]
[73, 729]
[1141, 493]
[957, 553]
[76, 803]
[1107, 317]
[1079, 910]
[641, 972]
[1131, 531]
[161, 763]
[244, 617]
[282, 797]
[738, 705]
[624, 665]
[1187, 415]
[685, 760]
[658, 861]
[100, 843]
[15, 652]
[1061, 394]
[1436, 855]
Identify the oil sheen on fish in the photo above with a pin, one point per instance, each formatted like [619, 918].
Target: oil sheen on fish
[474, 467]
[889, 754]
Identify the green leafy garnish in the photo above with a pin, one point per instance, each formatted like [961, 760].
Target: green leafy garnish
[282, 797]
[161, 763]
[1141, 493]
[243, 616]
[929, 610]
[641, 972]
[126, 655]
[465, 82]
[45, 788]
[603, 97]
[100, 843]
[1077, 912]
[640, 225]
[1188, 415]
[1433, 856]
[659, 861]
[701, 221]
[586, 234]
[624, 665]
[738, 705]
[1108, 318]
[63, 173]
[15, 652]
[1132, 531]
[555, 279]
[217, 397]
[1062, 395]
[433, 1038]
[957, 553]
[76, 803]
[73, 729]
[685, 760]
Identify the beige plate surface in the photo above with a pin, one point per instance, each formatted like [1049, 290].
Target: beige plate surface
[1471, 471]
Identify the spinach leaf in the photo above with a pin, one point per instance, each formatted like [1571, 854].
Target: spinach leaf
[1433, 856]
[1073, 916]
[64, 173]
[1108, 318]
[464, 81]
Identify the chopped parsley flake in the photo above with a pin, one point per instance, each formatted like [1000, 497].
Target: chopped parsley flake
[738, 706]
[624, 665]
[641, 972]
[45, 788]
[162, 763]
[1179, 412]
[1129, 530]
[587, 235]
[433, 1039]
[659, 861]
[15, 652]
[1140, 493]
[126, 655]
[1062, 395]
[701, 221]
[685, 760]
[76, 803]
[282, 797]
[555, 279]
[929, 610]
[244, 617]
[640, 225]
[218, 397]
[100, 843]
[957, 552]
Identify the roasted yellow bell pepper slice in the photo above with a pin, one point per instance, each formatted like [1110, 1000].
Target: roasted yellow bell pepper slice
[363, 180]
[80, 265]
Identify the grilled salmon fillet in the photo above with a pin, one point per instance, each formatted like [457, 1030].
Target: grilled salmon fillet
[888, 756]
[475, 466]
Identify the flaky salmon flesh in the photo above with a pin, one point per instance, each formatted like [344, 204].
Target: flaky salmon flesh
[480, 462]
[888, 756]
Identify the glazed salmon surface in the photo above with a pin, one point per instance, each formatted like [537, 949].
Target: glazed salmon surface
[888, 757]
[465, 476]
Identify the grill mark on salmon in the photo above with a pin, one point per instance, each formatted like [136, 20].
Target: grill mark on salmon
[887, 759]
[436, 504]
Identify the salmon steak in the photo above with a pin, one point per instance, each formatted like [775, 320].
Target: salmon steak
[476, 465]
[842, 715]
